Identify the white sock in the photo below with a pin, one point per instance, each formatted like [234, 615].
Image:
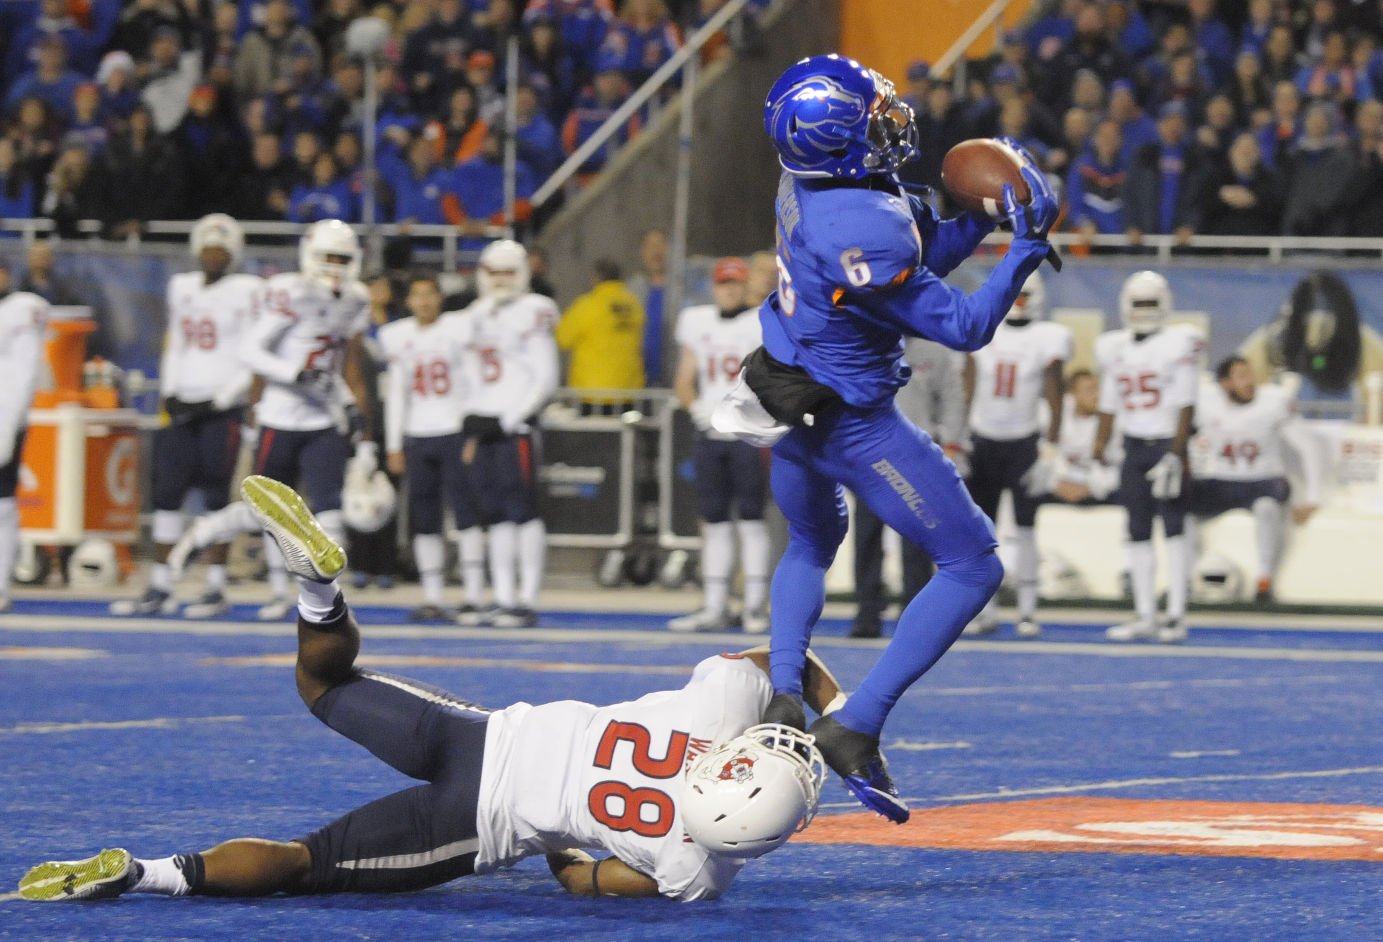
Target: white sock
[161, 577]
[1267, 528]
[1025, 562]
[334, 523]
[532, 553]
[503, 549]
[316, 600]
[754, 553]
[168, 527]
[216, 577]
[430, 553]
[717, 562]
[1142, 567]
[470, 546]
[1178, 576]
[162, 876]
[9, 542]
[278, 576]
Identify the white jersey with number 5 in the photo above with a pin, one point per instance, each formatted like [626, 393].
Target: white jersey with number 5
[514, 368]
[1241, 441]
[427, 377]
[206, 324]
[720, 345]
[569, 774]
[1146, 383]
[1009, 375]
[300, 325]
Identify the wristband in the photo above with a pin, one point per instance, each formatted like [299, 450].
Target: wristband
[595, 876]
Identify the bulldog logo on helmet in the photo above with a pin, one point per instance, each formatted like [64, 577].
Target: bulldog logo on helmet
[739, 769]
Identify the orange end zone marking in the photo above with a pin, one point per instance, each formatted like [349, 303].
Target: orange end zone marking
[1125, 826]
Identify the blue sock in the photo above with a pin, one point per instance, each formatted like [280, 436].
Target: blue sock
[798, 595]
[928, 626]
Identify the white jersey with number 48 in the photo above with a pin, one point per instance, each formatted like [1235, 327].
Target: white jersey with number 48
[206, 324]
[1146, 383]
[1009, 375]
[720, 346]
[427, 377]
[1241, 441]
[569, 774]
[301, 325]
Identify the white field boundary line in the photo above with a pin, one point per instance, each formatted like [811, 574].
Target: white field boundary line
[725, 641]
[156, 722]
[1116, 784]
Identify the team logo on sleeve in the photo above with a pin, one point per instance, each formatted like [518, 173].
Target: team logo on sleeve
[739, 769]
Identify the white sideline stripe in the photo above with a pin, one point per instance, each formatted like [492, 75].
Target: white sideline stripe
[9, 897]
[158, 722]
[1116, 784]
[427, 695]
[100, 625]
[409, 861]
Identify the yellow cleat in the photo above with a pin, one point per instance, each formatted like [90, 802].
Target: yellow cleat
[104, 876]
[307, 550]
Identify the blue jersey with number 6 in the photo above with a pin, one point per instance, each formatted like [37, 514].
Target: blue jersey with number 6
[859, 267]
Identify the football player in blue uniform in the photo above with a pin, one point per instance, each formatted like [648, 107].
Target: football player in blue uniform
[860, 263]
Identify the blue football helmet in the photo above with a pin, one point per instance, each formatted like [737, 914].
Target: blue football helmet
[829, 116]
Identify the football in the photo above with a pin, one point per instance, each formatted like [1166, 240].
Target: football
[974, 173]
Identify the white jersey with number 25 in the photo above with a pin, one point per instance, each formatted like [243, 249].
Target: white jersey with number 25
[1146, 383]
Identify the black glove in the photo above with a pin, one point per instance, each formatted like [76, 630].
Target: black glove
[318, 383]
[181, 413]
[483, 428]
[355, 423]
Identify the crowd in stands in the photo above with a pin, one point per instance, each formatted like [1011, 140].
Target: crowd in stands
[127, 111]
[1184, 117]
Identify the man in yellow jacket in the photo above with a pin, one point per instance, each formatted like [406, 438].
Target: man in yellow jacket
[603, 329]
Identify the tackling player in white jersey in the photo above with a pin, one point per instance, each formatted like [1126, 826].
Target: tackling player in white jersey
[1149, 373]
[1006, 382]
[425, 401]
[306, 338]
[204, 387]
[514, 372]
[1239, 461]
[715, 339]
[680, 787]
[23, 332]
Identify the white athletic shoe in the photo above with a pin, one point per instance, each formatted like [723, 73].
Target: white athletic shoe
[276, 610]
[982, 625]
[755, 621]
[1132, 631]
[307, 550]
[520, 617]
[152, 602]
[1172, 631]
[5, 604]
[220, 526]
[100, 877]
[707, 619]
[1027, 628]
[211, 604]
[469, 616]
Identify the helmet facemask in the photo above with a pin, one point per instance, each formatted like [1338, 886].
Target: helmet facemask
[892, 129]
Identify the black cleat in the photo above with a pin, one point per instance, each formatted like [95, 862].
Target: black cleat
[786, 708]
[431, 614]
[856, 758]
[861, 629]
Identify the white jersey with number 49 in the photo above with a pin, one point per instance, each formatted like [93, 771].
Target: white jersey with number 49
[1241, 441]
[720, 346]
[569, 774]
[301, 325]
[1009, 375]
[1146, 383]
[206, 324]
[427, 377]
[514, 363]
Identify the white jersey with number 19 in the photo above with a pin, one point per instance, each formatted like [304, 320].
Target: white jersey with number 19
[569, 774]
[1009, 375]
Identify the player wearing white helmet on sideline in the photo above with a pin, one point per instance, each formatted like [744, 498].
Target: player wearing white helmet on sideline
[1006, 382]
[204, 387]
[679, 787]
[23, 332]
[1149, 372]
[513, 373]
[306, 345]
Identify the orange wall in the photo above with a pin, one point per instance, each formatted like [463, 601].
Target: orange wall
[888, 34]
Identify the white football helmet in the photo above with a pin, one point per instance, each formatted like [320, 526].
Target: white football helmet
[329, 254]
[93, 564]
[502, 272]
[368, 499]
[1145, 302]
[1031, 304]
[1217, 579]
[748, 795]
[218, 231]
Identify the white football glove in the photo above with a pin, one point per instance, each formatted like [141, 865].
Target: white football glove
[365, 461]
[1045, 471]
[742, 415]
[701, 412]
[1166, 477]
[1103, 480]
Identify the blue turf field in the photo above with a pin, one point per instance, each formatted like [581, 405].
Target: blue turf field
[178, 740]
